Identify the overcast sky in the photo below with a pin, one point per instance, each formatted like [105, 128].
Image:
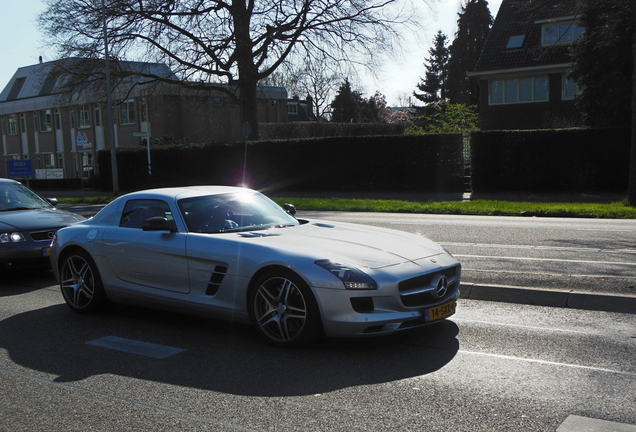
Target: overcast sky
[21, 45]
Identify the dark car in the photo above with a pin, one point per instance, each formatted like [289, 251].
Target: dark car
[27, 225]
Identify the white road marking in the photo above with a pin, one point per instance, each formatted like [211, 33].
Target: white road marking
[549, 363]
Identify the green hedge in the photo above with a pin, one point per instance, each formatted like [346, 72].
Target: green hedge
[567, 160]
[296, 130]
[422, 163]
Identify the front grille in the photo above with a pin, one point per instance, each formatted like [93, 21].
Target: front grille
[419, 291]
[43, 235]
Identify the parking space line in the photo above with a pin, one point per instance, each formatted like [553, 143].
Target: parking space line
[135, 347]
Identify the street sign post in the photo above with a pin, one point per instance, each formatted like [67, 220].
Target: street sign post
[147, 136]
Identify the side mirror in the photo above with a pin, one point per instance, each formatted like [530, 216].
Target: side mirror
[289, 208]
[157, 223]
[52, 201]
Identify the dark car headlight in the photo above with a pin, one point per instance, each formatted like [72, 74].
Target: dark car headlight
[14, 237]
[351, 277]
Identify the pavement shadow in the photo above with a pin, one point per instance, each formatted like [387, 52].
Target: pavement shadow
[15, 282]
[218, 356]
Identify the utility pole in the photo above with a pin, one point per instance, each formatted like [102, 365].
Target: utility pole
[631, 188]
[109, 108]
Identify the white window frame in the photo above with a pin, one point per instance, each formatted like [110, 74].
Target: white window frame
[97, 110]
[292, 108]
[46, 120]
[569, 89]
[58, 119]
[512, 87]
[564, 33]
[127, 112]
[83, 117]
[12, 124]
[47, 160]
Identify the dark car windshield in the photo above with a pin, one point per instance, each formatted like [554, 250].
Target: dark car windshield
[232, 213]
[14, 196]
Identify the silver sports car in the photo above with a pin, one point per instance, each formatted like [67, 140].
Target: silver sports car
[232, 253]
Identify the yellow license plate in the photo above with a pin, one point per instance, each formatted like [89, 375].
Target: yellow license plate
[441, 311]
[46, 251]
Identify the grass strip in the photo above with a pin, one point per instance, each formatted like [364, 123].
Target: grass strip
[618, 210]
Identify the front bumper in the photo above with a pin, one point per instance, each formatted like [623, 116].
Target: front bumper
[25, 254]
[401, 302]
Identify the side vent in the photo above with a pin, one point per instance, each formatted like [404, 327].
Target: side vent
[215, 280]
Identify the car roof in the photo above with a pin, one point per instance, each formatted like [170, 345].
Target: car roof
[173, 193]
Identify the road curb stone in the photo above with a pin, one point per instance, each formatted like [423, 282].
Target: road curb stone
[552, 298]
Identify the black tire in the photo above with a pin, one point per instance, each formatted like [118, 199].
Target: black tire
[283, 309]
[81, 283]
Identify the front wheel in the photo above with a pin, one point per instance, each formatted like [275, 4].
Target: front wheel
[81, 284]
[283, 309]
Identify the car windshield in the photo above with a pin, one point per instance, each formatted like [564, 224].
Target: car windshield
[14, 196]
[244, 211]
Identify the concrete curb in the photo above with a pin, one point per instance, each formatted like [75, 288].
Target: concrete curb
[553, 298]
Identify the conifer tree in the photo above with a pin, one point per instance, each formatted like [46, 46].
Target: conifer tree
[434, 86]
[473, 27]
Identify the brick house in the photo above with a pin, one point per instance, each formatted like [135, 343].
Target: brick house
[522, 70]
[60, 133]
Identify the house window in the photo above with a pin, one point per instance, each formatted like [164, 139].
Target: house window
[12, 125]
[87, 165]
[292, 108]
[46, 121]
[518, 90]
[23, 127]
[58, 120]
[515, 42]
[570, 89]
[127, 112]
[60, 160]
[48, 160]
[98, 115]
[84, 117]
[560, 33]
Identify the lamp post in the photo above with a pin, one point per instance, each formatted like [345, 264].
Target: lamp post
[109, 108]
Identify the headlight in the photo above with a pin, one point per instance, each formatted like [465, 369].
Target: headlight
[351, 277]
[11, 237]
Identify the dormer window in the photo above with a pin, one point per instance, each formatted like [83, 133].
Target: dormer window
[559, 32]
[515, 42]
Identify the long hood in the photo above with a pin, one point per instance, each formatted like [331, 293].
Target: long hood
[359, 245]
[27, 220]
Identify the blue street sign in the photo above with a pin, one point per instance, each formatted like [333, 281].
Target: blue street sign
[19, 169]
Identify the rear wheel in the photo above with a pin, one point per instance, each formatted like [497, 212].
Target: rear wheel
[283, 309]
[81, 284]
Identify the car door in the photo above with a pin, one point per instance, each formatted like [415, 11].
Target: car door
[153, 259]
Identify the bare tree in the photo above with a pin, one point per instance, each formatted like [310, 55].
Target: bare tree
[220, 45]
[313, 76]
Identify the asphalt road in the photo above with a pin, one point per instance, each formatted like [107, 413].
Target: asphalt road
[553, 255]
[491, 367]
[580, 263]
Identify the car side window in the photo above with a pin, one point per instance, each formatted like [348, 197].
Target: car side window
[138, 210]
